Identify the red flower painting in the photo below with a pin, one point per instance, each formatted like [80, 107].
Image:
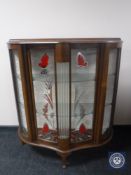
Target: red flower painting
[44, 61]
[82, 129]
[45, 128]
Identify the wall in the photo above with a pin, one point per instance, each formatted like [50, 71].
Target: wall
[68, 18]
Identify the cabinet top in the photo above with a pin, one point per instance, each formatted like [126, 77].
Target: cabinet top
[67, 40]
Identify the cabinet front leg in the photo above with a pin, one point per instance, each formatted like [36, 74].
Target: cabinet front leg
[22, 142]
[64, 159]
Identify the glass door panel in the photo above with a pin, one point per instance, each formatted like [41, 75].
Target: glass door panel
[83, 67]
[44, 92]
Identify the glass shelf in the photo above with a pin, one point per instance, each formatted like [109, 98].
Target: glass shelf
[50, 120]
[40, 109]
[83, 92]
[77, 121]
[79, 78]
[43, 90]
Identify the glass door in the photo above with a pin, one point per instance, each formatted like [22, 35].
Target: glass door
[43, 74]
[64, 81]
[83, 82]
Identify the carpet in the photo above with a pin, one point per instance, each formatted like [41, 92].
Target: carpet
[17, 159]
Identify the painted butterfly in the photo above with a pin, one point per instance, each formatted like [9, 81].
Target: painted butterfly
[44, 61]
[81, 60]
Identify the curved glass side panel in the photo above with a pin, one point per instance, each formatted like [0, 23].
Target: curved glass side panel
[19, 92]
[110, 89]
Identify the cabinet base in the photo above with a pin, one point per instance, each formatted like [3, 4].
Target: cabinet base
[61, 152]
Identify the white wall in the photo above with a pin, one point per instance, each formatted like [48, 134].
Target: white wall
[64, 18]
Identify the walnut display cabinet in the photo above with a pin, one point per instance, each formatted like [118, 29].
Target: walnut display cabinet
[65, 91]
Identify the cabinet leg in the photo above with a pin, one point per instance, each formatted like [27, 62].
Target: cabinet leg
[64, 159]
[21, 141]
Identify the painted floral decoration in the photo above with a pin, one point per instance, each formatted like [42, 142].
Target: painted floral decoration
[45, 128]
[82, 129]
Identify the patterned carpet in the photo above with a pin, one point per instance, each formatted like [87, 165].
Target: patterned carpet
[16, 159]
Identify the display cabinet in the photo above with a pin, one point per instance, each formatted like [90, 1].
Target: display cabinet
[65, 91]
